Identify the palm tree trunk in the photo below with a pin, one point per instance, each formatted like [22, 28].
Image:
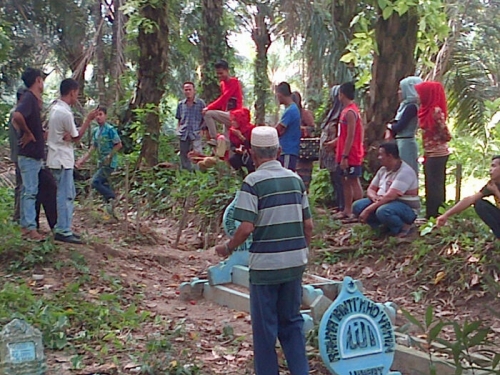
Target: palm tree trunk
[151, 74]
[100, 71]
[262, 39]
[213, 40]
[396, 40]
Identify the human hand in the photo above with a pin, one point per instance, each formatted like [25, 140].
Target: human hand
[388, 135]
[222, 251]
[204, 110]
[92, 114]
[344, 164]
[67, 137]
[79, 164]
[441, 220]
[26, 139]
[363, 216]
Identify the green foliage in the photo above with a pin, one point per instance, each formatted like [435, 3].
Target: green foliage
[470, 340]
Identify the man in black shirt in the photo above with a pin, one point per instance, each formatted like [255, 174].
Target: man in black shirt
[27, 121]
[487, 211]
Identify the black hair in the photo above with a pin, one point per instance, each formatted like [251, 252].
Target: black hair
[284, 89]
[495, 157]
[102, 109]
[68, 85]
[390, 148]
[348, 90]
[30, 75]
[20, 92]
[221, 64]
[189, 83]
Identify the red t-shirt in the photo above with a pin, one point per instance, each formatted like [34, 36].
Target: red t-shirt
[230, 89]
[357, 151]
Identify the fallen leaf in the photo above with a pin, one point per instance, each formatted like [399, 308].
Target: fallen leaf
[439, 277]
[473, 259]
[229, 357]
[475, 280]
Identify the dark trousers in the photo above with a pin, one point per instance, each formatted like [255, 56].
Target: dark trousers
[435, 184]
[237, 161]
[338, 188]
[100, 182]
[275, 312]
[46, 197]
[490, 214]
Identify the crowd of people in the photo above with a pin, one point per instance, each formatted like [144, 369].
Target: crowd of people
[45, 161]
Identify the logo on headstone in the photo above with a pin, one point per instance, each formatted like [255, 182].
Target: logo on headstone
[356, 335]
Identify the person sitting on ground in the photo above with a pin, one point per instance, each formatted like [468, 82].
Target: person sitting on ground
[230, 98]
[393, 200]
[488, 212]
[239, 136]
[107, 142]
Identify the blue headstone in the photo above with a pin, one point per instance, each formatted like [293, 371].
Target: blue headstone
[356, 336]
[221, 273]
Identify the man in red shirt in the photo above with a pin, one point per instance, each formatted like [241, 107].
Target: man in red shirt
[231, 98]
[350, 151]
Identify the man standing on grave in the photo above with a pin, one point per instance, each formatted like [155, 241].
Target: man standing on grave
[27, 121]
[488, 212]
[230, 98]
[393, 200]
[273, 206]
[190, 119]
[61, 158]
[350, 150]
[289, 127]
[107, 142]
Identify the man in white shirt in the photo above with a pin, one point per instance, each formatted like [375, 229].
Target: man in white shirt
[61, 159]
[393, 200]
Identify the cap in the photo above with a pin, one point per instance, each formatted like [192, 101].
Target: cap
[264, 136]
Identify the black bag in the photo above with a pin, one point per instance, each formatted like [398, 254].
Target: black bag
[231, 104]
[309, 149]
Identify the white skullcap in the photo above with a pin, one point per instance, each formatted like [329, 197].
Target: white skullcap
[264, 136]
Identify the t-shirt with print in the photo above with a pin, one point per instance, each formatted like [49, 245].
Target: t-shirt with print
[488, 193]
[30, 109]
[290, 139]
[404, 180]
[104, 138]
[61, 121]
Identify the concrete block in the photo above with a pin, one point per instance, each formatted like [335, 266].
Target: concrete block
[228, 297]
[319, 307]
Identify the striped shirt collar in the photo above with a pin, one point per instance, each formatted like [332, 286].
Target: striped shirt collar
[271, 164]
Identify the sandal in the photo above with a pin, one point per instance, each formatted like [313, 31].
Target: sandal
[405, 232]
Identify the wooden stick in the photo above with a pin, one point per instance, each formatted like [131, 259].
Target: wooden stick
[182, 222]
[458, 187]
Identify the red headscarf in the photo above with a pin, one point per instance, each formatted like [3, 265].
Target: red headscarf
[242, 117]
[432, 96]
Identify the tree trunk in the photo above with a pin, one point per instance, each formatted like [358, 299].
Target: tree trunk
[100, 71]
[213, 41]
[262, 39]
[396, 39]
[151, 78]
[117, 49]
[314, 78]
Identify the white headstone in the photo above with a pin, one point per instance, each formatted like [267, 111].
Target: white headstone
[21, 350]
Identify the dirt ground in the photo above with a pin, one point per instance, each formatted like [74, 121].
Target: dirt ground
[145, 258]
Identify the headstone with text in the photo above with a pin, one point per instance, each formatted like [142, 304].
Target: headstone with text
[21, 350]
[356, 336]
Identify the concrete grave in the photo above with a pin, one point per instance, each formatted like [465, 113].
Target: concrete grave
[21, 350]
[356, 336]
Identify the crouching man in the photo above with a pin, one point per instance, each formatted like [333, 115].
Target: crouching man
[393, 200]
[488, 212]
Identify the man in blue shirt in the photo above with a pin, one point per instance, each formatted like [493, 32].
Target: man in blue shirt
[190, 118]
[107, 142]
[288, 127]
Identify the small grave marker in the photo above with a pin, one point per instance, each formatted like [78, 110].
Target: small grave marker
[21, 350]
[356, 335]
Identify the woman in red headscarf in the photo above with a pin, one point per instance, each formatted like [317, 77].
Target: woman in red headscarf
[432, 116]
[239, 135]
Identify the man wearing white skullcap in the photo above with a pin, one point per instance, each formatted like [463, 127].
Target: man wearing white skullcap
[272, 205]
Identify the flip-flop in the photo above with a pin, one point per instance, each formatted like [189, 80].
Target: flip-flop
[405, 232]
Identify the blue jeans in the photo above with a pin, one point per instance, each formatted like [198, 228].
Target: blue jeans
[66, 194]
[30, 168]
[275, 311]
[394, 215]
[100, 182]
